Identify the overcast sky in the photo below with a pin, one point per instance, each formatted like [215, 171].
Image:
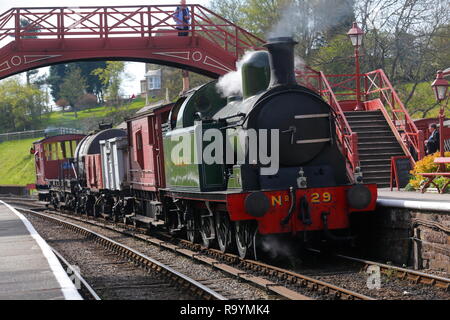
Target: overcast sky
[134, 69]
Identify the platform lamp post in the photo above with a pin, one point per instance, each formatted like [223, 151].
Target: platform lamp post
[440, 88]
[356, 36]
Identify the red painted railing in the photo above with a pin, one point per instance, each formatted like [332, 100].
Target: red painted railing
[348, 140]
[124, 21]
[377, 85]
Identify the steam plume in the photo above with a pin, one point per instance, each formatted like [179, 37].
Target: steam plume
[231, 83]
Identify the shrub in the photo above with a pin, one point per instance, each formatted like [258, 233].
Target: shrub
[427, 165]
[62, 103]
[88, 101]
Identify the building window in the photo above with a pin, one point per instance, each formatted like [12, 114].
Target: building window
[154, 83]
[153, 79]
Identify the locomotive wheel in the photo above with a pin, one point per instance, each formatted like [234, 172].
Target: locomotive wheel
[191, 228]
[224, 232]
[207, 231]
[245, 231]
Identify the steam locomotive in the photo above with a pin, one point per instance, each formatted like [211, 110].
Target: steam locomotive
[218, 170]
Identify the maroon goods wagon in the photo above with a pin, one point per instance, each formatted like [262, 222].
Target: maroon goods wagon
[146, 161]
[52, 160]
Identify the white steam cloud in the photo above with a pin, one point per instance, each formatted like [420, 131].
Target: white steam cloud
[311, 17]
[307, 20]
[231, 83]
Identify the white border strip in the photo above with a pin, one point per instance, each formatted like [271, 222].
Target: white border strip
[68, 288]
[441, 206]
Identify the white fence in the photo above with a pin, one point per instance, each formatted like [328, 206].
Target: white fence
[37, 133]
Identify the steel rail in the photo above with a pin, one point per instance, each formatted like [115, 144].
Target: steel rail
[286, 275]
[268, 285]
[192, 250]
[402, 273]
[77, 275]
[150, 264]
[281, 274]
[405, 274]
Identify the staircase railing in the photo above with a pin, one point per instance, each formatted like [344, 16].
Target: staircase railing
[348, 140]
[377, 85]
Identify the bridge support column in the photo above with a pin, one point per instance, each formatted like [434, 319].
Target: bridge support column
[186, 80]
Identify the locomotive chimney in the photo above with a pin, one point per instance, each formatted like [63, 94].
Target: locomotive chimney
[281, 52]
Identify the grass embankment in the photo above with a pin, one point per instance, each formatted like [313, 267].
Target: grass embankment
[106, 113]
[16, 162]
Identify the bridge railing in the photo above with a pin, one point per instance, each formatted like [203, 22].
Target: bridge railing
[123, 21]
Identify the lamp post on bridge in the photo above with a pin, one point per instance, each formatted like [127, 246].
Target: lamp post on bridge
[356, 36]
[440, 88]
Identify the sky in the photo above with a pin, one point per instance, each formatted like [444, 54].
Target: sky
[134, 70]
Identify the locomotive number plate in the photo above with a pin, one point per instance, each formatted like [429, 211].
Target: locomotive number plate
[325, 197]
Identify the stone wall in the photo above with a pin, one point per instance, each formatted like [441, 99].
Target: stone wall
[407, 237]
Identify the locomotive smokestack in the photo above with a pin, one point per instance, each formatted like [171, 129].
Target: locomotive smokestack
[281, 52]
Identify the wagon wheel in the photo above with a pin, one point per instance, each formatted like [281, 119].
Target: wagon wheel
[224, 231]
[245, 230]
[207, 230]
[116, 211]
[98, 206]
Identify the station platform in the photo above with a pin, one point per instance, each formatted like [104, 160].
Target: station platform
[414, 200]
[29, 270]
[408, 195]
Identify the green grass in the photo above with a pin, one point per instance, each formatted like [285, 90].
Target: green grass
[67, 119]
[16, 162]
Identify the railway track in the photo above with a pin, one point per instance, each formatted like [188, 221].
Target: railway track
[84, 285]
[286, 284]
[277, 280]
[403, 273]
[193, 288]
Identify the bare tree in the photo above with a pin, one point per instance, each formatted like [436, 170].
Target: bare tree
[400, 37]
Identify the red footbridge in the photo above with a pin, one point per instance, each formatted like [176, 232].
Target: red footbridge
[31, 38]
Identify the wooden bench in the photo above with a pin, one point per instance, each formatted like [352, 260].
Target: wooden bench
[431, 176]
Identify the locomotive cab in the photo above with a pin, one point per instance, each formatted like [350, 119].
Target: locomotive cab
[183, 144]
